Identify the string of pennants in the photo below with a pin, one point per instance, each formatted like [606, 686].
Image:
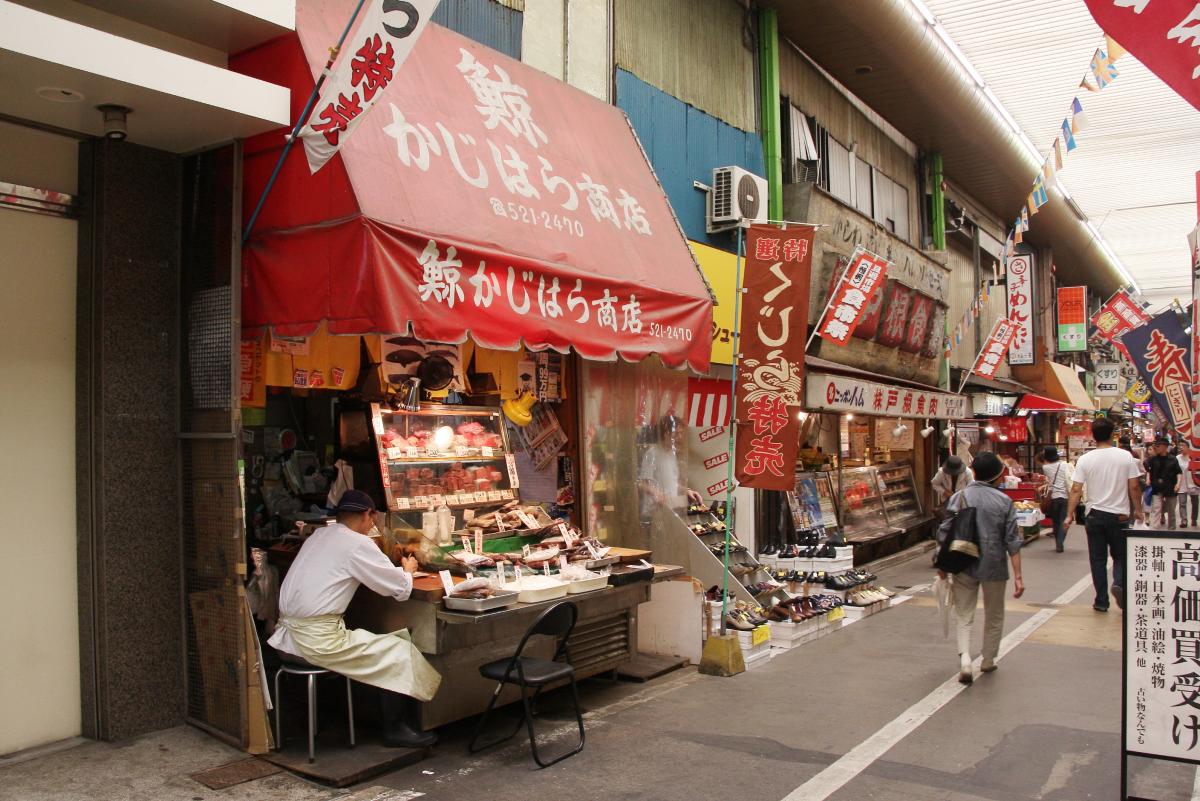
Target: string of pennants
[1102, 71]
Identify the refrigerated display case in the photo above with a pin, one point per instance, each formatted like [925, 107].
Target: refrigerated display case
[453, 455]
[901, 503]
[862, 512]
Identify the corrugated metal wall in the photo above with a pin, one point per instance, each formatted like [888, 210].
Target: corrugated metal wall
[495, 24]
[694, 50]
[683, 145]
[809, 91]
[962, 293]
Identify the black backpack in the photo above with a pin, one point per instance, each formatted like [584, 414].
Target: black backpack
[960, 549]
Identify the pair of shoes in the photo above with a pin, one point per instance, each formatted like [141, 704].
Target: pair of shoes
[964, 670]
[738, 623]
[770, 550]
[1099, 608]
[987, 666]
[1118, 594]
[1058, 549]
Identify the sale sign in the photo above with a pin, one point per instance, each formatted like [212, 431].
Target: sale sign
[770, 375]
[1072, 319]
[852, 296]
[993, 350]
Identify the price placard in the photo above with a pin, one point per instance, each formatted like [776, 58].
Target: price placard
[437, 500]
[835, 615]
[403, 504]
[464, 498]
[513, 480]
[506, 495]
[494, 495]
[481, 497]
[487, 452]
[412, 453]
[760, 635]
[447, 581]
[461, 450]
[395, 453]
[526, 520]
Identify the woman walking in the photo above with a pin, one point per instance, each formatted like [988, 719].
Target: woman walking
[1058, 487]
[996, 523]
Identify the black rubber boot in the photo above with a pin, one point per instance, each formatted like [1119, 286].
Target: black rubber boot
[399, 713]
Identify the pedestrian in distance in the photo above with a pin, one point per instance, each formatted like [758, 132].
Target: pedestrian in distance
[951, 477]
[1111, 477]
[1165, 477]
[1187, 487]
[999, 542]
[1058, 483]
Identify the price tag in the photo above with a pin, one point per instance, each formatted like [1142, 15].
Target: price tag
[412, 453]
[377, 422]
[525, 549]
[487, 452]
[481, 497]
[403, 504]
[517, 573]
[760, 635]
[493, 495]
[567, 535]
[478, 540]
[461, 450]
[526, 520]
[431, 451]
[464, 498]
[546, 568]
[591, 549]
[834, 615]
[466, 543]
[562, 561]
[468, 515]
[500, 574]
[437, 500]
[506, 495]
[513, 480]
[394, 453]
[447, 581]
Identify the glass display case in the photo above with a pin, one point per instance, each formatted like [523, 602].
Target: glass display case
[814, 503]
[862, 510]
[453, 455]
[899, 493]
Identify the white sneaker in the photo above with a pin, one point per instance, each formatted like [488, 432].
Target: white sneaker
[964, 669]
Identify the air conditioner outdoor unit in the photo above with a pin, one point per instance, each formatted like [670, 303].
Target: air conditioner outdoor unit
[736, 195]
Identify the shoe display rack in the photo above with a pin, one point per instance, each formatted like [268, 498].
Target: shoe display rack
[749, 580]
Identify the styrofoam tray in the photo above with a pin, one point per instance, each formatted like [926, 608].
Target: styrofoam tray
[587, 585]
[540, 588]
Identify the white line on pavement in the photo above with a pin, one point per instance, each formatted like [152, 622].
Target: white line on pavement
[859, 758]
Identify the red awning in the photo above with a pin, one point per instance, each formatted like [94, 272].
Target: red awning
[480, 198]
[1040, 403]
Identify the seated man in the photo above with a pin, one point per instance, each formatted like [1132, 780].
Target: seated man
[316, 591]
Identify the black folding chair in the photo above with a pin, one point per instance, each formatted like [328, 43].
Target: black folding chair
[529, 673]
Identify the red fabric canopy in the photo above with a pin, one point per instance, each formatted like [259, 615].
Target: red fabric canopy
[1039, 403]
[481, 198]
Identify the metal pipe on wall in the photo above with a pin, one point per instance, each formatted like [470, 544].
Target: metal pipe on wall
[768, 60]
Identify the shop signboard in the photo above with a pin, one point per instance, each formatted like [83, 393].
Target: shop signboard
[1194, 247]
[986, 403]
[1161, 647]
[384, 37]
[1072, 319]
[720, 270]
[1001, 339]
[852, 296]
[1108, 379]
[770, 374]
[1009, 429]
[1118, 315]
[839, 393]
[1020, 308]
[1160, 351]
[1138, 393]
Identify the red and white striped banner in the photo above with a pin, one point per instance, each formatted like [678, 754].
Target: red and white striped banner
[708, 402]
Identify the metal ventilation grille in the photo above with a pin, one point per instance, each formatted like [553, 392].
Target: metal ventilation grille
[723, 194]
[749, 201]
[600, 644]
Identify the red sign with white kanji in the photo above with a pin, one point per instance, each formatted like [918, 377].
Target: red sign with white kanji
[852, 296]
[771, 369]
[994, 349]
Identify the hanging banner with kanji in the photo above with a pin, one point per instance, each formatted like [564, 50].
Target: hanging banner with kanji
[770, 377]
[1072, 319]
[1164, 35]
[1160, 350]
[1118, 315]
[374, 50]
[1020, 308]
[993, 350]
[852, 297]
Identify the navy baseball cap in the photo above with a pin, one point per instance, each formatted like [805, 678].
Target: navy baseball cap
[355, 501]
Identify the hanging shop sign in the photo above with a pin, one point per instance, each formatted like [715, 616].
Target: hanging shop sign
[708, 436]
[770, 375]
[838, 393]
[1159, 350]
[1138, 392]
[852, 296]
[1001, 339]
[1118, 315]
[1162, 35]
[1020, 308]
[482, 199]
[986, 403]
[720, 270]
[1009, 429]
[1072, 319]
[1108, 379]
[1161, 648]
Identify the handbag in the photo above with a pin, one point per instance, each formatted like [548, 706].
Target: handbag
[1045, 492]
[960, 549]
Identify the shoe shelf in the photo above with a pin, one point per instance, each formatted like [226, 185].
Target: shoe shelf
[704, 532]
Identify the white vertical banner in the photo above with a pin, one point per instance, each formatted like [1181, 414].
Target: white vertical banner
[386, 33]
[1020, 308]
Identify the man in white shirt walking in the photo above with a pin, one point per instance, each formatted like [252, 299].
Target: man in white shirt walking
[1110, 476]
[331, 565]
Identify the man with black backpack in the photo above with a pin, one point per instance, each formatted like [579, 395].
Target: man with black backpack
[998, 540]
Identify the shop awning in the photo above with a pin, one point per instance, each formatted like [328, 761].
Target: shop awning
[480, 198]
[1001, 386]
[1062, 383]
[1040, 403]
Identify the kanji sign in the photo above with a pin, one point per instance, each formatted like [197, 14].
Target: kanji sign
[852, 296]
[1160, 351]
[1108, 379]
[992, 353]
[1020, 308]
[1072, 319]
[1161, 650]
[379, 44]
[1117, 316]
[837, 393]
[1164, 35]
[770, 376]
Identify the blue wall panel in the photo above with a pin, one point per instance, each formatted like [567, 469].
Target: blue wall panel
[684, 144]
[486, 21]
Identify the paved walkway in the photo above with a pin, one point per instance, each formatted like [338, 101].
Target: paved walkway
[868, 712]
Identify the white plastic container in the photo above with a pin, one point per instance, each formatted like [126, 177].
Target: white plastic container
[532, 589]
[589, 584]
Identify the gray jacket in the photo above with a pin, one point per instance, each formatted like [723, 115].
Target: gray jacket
[996, 519]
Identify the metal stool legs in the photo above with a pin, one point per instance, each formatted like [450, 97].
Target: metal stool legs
[311, 692]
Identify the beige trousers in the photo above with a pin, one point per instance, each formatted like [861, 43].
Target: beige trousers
[965, 594]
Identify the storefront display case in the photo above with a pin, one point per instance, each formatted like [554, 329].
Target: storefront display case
[453, 455]
[901, 502]
[863, 516]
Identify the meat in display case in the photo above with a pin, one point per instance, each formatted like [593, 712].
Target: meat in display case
[900, 499]
[863, 516]
[453, 455]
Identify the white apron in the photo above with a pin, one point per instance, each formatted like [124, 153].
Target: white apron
[389, 661]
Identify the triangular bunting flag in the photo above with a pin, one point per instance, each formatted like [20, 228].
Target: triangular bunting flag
[1038, 197]
[1058, 154]
[1025, 218]
[1048, 169]
[1085, 84]
[1115, 51]
[1068, 135]
[1103, 68]
[1031, 204]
